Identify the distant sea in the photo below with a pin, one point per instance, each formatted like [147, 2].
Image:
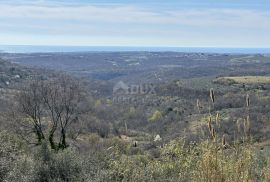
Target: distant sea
[48, 49]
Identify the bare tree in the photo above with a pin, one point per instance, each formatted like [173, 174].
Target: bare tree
[56, 103]
[31, 107]
[65, 99]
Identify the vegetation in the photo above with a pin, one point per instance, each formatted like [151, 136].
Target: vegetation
[50, 105]
[246, 79]
[209, 125]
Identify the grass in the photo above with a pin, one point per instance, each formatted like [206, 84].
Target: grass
[251, 59]
[246, 79]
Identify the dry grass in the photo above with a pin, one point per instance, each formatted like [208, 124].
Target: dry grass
[246, 79]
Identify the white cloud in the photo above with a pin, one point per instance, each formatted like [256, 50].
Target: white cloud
[132, 23]
[131, 14]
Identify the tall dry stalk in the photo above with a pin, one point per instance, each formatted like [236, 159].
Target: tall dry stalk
[247, 101]
[212, 95]
[238, 124]
[210, 124]
[247, 126]
[198, 106]
[218, 119]
[213, 134]
[126, 127]
[223, 141]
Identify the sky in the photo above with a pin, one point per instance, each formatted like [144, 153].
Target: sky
[152, 23]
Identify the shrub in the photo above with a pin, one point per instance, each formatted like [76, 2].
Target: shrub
[204, 161]
[11, 148]
[156, 116]
[48, 165]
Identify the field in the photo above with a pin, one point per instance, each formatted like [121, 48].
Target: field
[251, 59]
[246, 79]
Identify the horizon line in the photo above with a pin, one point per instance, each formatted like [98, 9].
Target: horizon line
[135, 46]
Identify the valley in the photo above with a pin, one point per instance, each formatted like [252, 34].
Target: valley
[137, 103]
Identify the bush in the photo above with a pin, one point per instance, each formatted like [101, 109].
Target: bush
[156, 116]
[47, 166]
[61, 166]
[205, 161]
[11, 148]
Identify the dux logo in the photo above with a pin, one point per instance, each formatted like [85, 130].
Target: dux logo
[122, 88]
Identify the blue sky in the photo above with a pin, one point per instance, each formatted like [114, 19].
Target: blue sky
[170, 23]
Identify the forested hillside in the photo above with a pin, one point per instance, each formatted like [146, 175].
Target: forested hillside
[136, 116]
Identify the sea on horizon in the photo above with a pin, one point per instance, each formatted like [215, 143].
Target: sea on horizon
[51, 49]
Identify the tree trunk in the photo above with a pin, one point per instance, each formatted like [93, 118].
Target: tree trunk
[62, 143]
[39, 134]
[51, 140]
